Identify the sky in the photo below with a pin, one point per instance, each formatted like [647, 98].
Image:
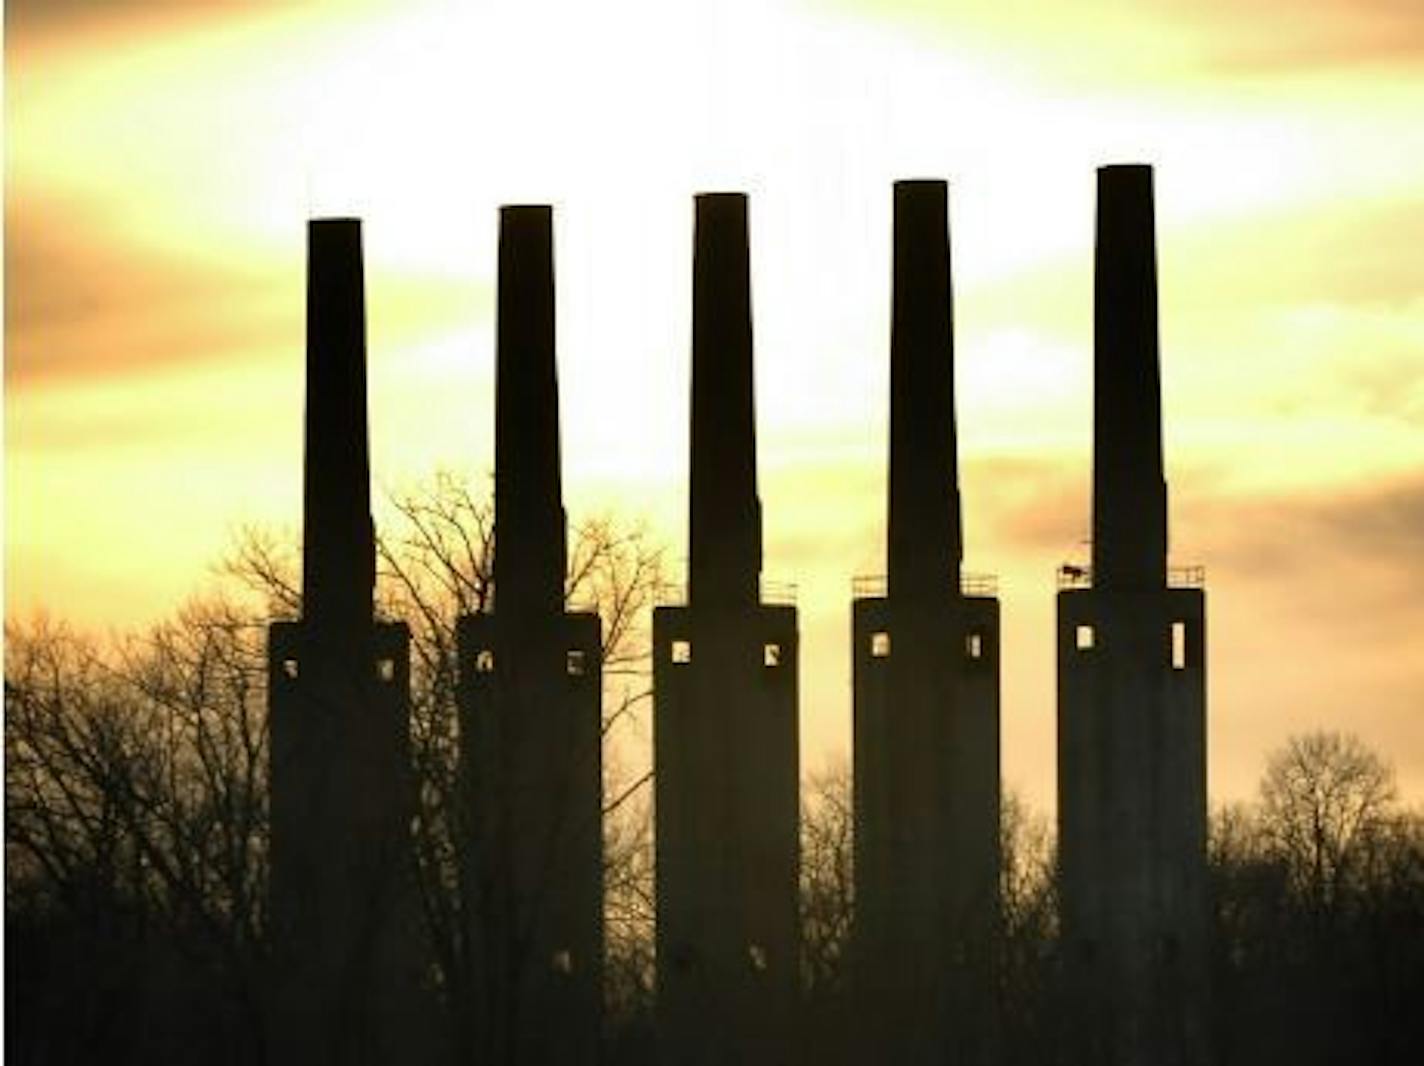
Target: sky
[161, 159]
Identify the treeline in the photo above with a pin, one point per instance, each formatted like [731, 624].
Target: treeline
[136, 829]
[137, 804]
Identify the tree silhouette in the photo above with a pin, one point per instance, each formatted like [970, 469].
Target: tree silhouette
[136, 787]
[136, 821]
[1318, 893]
[1023, 956]
[827, 889]
[1325, 806]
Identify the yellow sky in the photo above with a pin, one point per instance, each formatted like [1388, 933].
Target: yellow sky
[161, 161]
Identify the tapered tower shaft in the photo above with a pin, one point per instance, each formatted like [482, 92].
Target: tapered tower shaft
[346, 955]
[1129, 492]
[724, 550]
[1132, 700]
[529, 551]
[725, 751]
[926, 705]
[925, 537]
[339, 554]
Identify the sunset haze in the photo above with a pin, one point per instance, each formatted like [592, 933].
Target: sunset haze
[162, 160]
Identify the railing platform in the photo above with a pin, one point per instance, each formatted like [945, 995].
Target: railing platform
[877, 586]
[1080, 576]
[773, 594]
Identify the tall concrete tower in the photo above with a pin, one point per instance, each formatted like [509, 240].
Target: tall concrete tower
[926, 716]
[343, 926]
[1131, 697]
[725, 726]
[530, 713]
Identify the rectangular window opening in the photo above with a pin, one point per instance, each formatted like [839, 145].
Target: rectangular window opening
[974, 645]
[1084, 637]
[681, 651]
[1179, 645]
[880, 645]
[562, 961]
[771, 655]
[386, 669]
[290, 668]
[575, 662]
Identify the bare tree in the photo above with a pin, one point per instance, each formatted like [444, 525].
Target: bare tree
[827, 877]
[136, 796]
[629, 915]
[1028, 900]
[1028, 859]
[435, 563]
[1325, 798]
[136, 771]
[1021, 959]
[1318, 906]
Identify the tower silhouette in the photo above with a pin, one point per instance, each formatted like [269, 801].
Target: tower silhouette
[530, 713]
[926, 690]
[1131, 696]
[725, 713]
[344, 935]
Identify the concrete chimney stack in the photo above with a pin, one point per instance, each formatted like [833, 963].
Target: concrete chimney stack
[343, 915]
[925, 536]
[724, 551]
[339, 547]
[1132, 699]
[925, 669]
[725, 743]
[530, 699]
[1129, 493]
[530, 527]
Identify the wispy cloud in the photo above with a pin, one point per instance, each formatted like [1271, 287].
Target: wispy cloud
[81, 299]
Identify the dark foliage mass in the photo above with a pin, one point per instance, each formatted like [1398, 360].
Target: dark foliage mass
[136, 828]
